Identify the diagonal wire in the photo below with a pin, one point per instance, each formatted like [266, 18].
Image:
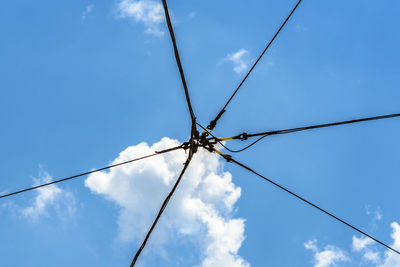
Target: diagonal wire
[90, 172]
[178, 60]
[299, 129]
[213, 123]
[163, 206]
[229, 158]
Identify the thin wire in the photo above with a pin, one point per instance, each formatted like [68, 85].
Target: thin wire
[90, 172]
[311, 204]
[178, 60]
[163, 206]
[213, 123]
[247, 147]
[224, 146]
[293, 130]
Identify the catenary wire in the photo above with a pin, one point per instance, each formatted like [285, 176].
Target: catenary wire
[178, 60]
[229, 158]
[163, 206]
[213, 123]
[90, 172]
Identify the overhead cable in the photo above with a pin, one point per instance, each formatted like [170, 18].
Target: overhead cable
[245, 136]
[230, 159]
[192, 146]
[178, 60]
[90, 172]
[163, 206]
[213, 123]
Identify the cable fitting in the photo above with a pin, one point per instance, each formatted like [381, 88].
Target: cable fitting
[212, 141]
[243, 136]
[212, 125]
[186, 145]
[228, 158]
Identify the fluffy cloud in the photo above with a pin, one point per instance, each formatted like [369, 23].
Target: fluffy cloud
[330, 256]
[240, 60]
[148, 12]
[49, 197]
[202, 208]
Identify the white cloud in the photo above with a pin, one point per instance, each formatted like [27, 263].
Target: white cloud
[240, 60]
[87, 11]
[372, 256]
[202, 208]
[376, 214]
[49, 197]
[364, 245]
[148, 12]
[361, 243]
[330, 256]
[392, 259]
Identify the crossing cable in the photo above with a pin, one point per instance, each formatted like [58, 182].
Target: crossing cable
[213, 123]
[245, 136]
[93, 171]
[193, 134]
[230, 159]
[163, 206]
[178, 60]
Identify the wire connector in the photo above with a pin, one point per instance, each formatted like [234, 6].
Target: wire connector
[244, 136]
[227, 157]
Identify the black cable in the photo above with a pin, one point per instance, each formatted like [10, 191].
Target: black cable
[229, 158]
[213, 123]
[293, 130]
[245, 136]
[224, 146]
[90, 172]
[163, 206]
[178, 60]
[192, 148]
[246, 147]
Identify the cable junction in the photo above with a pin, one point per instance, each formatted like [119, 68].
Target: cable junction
[245, 136]
[209, 143]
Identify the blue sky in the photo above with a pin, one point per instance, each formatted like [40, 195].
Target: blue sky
[83, 81]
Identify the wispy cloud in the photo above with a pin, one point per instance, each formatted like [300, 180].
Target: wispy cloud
[87, 11]
[329, 256]
[148, 12]
[192, 14]
[202, 208]
[301, 28]
[47, 198]
[364, 250]
[240, 60]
